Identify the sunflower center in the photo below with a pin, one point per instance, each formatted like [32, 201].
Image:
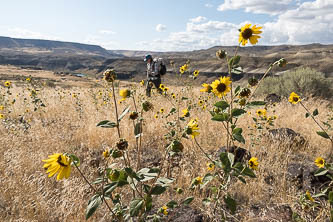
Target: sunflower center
[295, 99]
[247, 33]
[251, 163]
[61, 163]
[321, 162]
[221, 87]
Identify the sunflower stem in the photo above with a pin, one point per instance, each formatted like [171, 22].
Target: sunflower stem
[94, 189]
[116, 109]
[330, 154]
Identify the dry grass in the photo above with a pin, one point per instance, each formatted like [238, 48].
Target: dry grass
[27, 194]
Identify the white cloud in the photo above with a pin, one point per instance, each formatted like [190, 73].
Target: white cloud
[198, 19]
[208, 5]
[258, 6]
[28, 34]
[310, 22]
[107, 32]
[160, 28]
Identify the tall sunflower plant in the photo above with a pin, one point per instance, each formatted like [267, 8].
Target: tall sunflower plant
[232, 103]
[123, 173]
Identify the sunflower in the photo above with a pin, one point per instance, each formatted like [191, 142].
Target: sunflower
[58, 163]
[294, 98]
[165, 210]
[2, 107]
[320, 162]
[106, 153]
[142, 82]
[124, 93]
[308, 196]
[181, 70]
[192, 128]
[173, 95]
[28, 79]
[2, 116]
[253, 163]
[8, 83]
[210, 166]
[161, 110]
[162, 86]
[221, 87]
[261, 112]
[200, 102]
[156, 116]
[196, 73]
[197, 181]
[248, 33]
[109, 75]
[207, 88]
[186, 113]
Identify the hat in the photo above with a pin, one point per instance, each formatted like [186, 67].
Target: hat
[147, 57]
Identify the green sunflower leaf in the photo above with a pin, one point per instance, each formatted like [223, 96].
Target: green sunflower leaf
[248, 172]
[320, 172]
[221, 117]
[93, 204]
[124, 113]
[188, 200]
[234, 61]
[107, 124]
[135, 206]
[172, 204]
[157, 190]
[237, 112]
[323, 134]
[138, 130]
[315, 112]
[222, 105]
[231, 203]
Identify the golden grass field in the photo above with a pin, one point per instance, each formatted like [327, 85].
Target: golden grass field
[68, 124]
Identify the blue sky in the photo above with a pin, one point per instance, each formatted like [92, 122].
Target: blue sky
[167, 25]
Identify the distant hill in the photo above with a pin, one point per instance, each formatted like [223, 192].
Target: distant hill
[52, 47]
[92, 59]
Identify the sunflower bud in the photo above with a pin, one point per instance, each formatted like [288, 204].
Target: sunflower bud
[116, 154]
[176, 146]
[109, 75]
[134, 115]
[242, 102]
[221, 54]
[122, 144]
[146, 105]
[114, 175]
[282, 62]
[253, 81]
[245, 92]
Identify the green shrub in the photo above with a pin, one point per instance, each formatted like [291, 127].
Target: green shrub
[303, 81]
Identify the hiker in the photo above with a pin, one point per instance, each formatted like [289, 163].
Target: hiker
[155, 69]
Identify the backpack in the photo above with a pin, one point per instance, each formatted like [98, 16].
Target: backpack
[162, 69]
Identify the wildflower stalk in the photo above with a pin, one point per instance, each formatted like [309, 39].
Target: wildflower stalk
[138, 140]
[330, 154]
[231, 98]
[265, 74]
[94, 189]
[116, 109]
[203, 150]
